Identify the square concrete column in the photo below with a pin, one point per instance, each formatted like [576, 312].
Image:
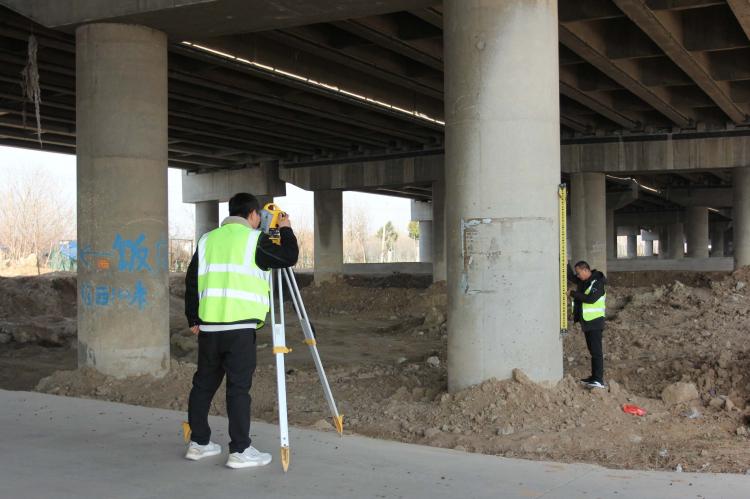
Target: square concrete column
[329, 246]
[697, 231]
[502, 157]
[121, 147]
[206, 217]
[588, 214]
[438, 231]
[611, 235]
[741, 214]
[676, 241]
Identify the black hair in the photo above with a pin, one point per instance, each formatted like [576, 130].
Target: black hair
[242, 204]
[582, 265]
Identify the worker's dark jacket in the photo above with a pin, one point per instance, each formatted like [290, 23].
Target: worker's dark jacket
[579, 297]
[267, 256]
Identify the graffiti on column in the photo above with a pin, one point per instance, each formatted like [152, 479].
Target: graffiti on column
[126, 255]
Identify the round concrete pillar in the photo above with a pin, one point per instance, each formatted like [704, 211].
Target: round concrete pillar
[717, 242]
[663, 242]
[329, 243]
[588, 217]
[439, 269]
[502, 171]
[741, 215]
[425, 240]
[611, 236]
[632, 248]
[697, 231]
[206, 217]
[676, 243]
[648, 247]
[121, 150]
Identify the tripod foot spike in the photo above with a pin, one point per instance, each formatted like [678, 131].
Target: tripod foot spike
[338, 422]
[285, 458]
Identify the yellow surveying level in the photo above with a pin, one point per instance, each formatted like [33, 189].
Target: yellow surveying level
[269, 221]
[562, 194]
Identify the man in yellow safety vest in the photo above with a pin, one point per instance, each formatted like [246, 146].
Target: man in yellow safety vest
[226, 301]
[589, 307]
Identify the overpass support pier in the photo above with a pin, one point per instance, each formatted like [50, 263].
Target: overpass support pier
[741, 213]
[502, 160]
[588, 228]
[206, 217]
[329, 243]
[697, 231]
[121, 111]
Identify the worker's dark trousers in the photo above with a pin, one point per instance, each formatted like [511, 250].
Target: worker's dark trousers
[594, 344]
[220, 352]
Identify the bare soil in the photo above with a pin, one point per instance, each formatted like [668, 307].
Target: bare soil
[384, 351]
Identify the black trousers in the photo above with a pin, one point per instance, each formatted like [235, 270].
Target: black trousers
[594, 344]
[231, 353]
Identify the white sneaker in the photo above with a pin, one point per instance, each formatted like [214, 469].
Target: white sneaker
[250, 458]
[196, 452]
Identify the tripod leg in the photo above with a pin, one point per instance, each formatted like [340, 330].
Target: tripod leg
[279, 350]
[304, 320]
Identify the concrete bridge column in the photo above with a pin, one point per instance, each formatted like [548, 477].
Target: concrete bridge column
[697, 231]
[648, 247]
[611, 235]
[121, 150]
[632, 248]
[329, 246]
[206, 217]
[717, 241]
[588, 213]
[663, 241]
[438, 231]
[502, 172]
[741, 214]
[425, 240]
[676, 241]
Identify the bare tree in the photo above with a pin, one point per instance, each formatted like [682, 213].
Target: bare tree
[34, 217]
[356, 233]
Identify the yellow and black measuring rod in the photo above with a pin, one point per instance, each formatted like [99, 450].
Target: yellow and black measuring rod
[562, 195]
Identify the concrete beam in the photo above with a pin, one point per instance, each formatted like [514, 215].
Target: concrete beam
[741, 9]
[421, 211]
[715, 197]
[665, 28]
[222, 185]
[591, 47]
[663, 154]
[364, 175]
[653, 218]
[185, 18]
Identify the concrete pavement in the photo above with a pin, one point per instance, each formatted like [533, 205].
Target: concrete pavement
[59, 448]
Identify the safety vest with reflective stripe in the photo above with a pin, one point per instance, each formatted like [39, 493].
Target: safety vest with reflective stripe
[231, 287]
[591, 311]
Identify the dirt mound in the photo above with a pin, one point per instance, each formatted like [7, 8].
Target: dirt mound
[38, 309]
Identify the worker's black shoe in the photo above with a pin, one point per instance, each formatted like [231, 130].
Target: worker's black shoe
[588, 380]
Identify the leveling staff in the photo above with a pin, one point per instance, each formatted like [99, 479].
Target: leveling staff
[226, 301]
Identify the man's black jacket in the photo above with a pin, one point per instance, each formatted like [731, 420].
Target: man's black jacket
[267, 256]
[579, 297]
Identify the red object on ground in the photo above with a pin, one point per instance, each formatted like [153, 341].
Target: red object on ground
[634, 410]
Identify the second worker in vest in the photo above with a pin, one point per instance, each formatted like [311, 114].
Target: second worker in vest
[589, 309]
[226, 302]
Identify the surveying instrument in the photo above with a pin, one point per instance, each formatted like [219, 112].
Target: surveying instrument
[269, 223]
